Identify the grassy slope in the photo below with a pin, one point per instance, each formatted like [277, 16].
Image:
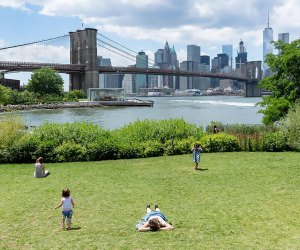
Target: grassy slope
[243, 201]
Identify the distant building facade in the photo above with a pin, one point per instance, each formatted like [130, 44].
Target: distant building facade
[284, 37]
[166, 58]
[141, 81]
[10, 83]
[109, 80]
[205, 60]
[193, 53]
[267, 47]
[228, 49]
[241, 57]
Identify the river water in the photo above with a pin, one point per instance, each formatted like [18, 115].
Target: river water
[200, 110]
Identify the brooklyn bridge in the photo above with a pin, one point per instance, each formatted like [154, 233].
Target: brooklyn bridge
[84, 69]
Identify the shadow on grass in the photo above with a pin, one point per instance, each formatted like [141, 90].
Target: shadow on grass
[73, 229]
[201, 169]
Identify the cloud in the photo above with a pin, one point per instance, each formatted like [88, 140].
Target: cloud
[37, 53]
[2, 43]
[286, 16]
[208, 24]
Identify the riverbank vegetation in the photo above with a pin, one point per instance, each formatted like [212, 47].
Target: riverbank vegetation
[44, 86]
[284, 83]
[83, 141]
[242, 200]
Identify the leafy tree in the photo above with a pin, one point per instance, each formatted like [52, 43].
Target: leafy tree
[46, 81]
[284, 84]
[5, 95]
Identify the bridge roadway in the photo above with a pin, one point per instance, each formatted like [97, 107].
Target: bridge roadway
[80, 68]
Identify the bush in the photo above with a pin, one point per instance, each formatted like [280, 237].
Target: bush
[290, 127]
[164, 130]
[275, 142]
[74, 95]
[103, 149]
[12, 129]
[219, 143]
[178, 147]
[23, 150]
[130, 150]
[70, 151]
[152, 149]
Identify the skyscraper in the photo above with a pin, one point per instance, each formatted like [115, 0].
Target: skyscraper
[227, 49]
[193, 53]
[159, 57]
[205, 60]
[141, 80]
[166, 58]
[224, 60]
[267, 47]
[241, 57]
[285, 37]
[167, 54]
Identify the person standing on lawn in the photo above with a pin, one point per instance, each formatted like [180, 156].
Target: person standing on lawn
[67, 204]
[196, 155]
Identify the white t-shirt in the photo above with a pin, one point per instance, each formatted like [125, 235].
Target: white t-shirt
[161, 221]
[66, 203]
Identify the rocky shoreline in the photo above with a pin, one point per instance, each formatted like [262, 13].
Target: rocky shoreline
[9, 108]
[69, 105]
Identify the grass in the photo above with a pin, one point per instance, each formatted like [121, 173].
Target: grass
[242, 201]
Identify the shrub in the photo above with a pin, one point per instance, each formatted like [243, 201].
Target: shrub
[219, 143]
[177, 147]
[152, 149]
[74, 95]
[101, 150]
[130, 150]
[70, 151]
[290, 127]
[23, 150]
[275, 142]
[50, 136]
[162, 130]
[12, 129]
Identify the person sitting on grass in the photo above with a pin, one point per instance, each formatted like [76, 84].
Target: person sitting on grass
[154, 221]
[67, 204]
[40, 171]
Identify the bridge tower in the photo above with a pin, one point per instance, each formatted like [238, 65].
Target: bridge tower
[83, 50]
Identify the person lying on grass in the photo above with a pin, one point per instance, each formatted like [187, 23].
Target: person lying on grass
[154, 221]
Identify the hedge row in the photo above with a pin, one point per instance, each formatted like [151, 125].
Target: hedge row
[83, 141]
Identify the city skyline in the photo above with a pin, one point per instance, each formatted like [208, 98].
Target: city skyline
[147, 25]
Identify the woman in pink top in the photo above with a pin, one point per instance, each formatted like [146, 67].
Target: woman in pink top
[67, 204]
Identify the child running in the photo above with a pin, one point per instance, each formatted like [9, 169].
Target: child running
[67, 204]
[196, 155]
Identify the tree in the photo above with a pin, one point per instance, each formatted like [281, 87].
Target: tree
[5, 94]
[284, 84]
[46, 81]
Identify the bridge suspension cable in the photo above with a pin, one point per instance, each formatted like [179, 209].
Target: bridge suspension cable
[131, 56]
[40, 41]
[119, 52]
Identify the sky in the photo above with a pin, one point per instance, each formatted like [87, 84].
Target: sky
[143, 25]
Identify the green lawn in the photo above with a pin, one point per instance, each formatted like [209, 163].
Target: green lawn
[242, 201]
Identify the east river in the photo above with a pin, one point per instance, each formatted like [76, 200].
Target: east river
[200, 110]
